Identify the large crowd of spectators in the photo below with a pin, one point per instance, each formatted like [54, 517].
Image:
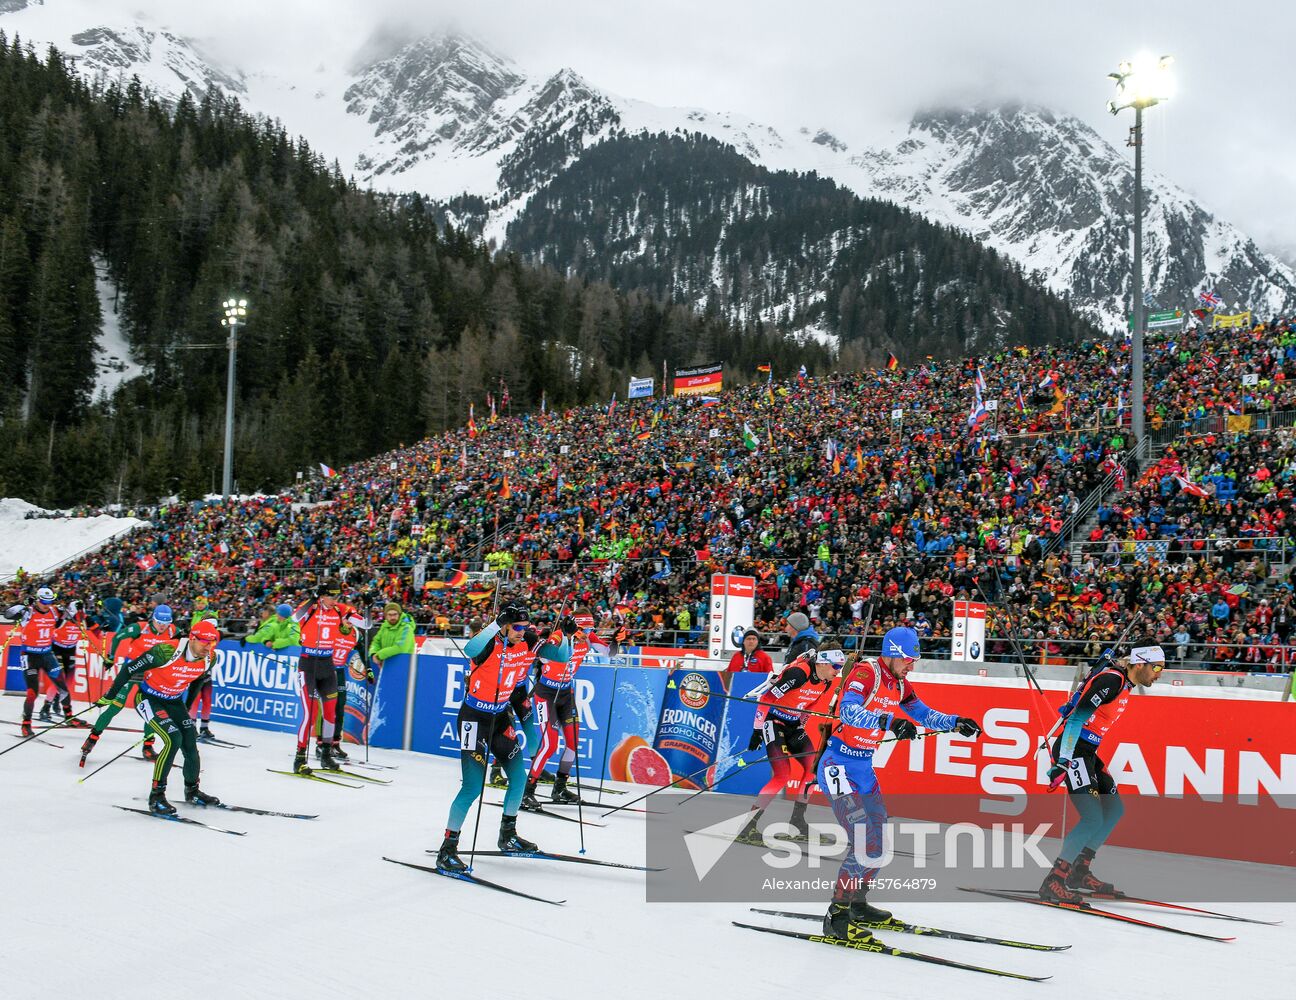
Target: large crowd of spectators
[863, 499]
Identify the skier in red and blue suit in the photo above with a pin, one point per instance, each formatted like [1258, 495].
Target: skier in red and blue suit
[872, 694]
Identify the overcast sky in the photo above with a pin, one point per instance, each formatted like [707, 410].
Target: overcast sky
[856, 68]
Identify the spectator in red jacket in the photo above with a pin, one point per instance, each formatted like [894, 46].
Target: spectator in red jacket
[751, 656]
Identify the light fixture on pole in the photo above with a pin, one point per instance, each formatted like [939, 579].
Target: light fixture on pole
[235, 316]
[1140, 84]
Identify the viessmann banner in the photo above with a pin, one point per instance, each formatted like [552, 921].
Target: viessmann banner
[703, 380]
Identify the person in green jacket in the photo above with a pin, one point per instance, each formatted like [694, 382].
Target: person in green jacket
[394, 636]
[278, 631]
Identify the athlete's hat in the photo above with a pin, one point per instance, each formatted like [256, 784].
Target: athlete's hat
[901, 642]
[1146, 651]
[162, 613]
[835, 657]
[205, 631]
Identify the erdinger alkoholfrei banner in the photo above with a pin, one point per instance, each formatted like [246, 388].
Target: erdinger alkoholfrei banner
[699, 381]
[691, 723]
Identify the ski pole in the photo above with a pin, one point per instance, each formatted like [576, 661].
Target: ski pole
[607, 735]
[107, 762]
[677, 781]
[56, 725]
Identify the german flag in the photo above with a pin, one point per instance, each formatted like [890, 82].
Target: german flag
[892, 363]
[480, 595]
[436, 469]
[763, 369]
[644, 436]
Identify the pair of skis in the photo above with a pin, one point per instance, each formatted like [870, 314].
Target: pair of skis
[472, 879]
[190, 821]
[318, 774]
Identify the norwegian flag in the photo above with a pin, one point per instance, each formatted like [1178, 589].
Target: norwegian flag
[1191, 488]
[1209, 299]
[1021, 401]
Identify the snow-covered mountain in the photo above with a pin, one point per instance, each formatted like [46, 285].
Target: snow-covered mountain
[446, 116]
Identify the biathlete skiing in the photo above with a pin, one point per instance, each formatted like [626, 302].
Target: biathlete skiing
[872, 696]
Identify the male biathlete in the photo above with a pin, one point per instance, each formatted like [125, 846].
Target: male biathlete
[499, 656]
[872, 695]
[1090, 713]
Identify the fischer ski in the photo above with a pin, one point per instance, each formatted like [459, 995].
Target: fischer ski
[571, 858]
[474, 880]
[545, 812]
[935, 932]
[547, 779]
[212, 741]
[42, 728]
[1094, 911]
[1121, 897]
[595, 805]
[251, 810]
[351, 774]
[881, 948]
[312, 776]
[37, 739]
[183, 819]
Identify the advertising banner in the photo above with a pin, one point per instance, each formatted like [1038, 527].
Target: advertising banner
[733, 605]
[699, 381]
[967, 634]
[640, 388]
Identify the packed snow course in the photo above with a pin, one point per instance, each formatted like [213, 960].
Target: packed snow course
[308, 908]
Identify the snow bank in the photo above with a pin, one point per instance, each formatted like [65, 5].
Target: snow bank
[42, 544]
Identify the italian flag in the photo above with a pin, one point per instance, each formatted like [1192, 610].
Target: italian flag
[749, 438]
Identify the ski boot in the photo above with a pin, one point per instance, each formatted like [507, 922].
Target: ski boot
[71, 722]
[852, 921]
[750, 834]
[205, 733]
[56, 709]
[198, 797]
[299, 762]
[338, 752]
[560, 794]
[27, 728]
[1055, 887]
[799, 822]
[497, 779]
[510, 841]
[529, 801]
[447, 859]
[148, 751]
[158, 803]
[44, 714]
[327, 761]
[1082, 878]
[87, 746]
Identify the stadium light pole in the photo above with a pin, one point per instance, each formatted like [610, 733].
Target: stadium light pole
[235, 316]
[1140, 84]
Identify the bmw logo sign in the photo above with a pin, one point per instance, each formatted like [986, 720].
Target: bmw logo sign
[974, 650]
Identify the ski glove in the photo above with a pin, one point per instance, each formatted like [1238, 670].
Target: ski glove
[568, 625]
[757, 738]
[967, 727]
[903, 729]
[105, 701]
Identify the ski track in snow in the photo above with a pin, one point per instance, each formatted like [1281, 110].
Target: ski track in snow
[297, 907]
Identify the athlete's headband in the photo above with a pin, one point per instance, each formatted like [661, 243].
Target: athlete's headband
[1147, 654]
[835, 657]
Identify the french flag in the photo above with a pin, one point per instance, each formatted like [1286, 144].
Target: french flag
[326, 472]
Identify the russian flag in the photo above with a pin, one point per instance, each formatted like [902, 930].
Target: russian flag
[1021, 402]
[326, 472]
[978, 414]
[1049, 380]
[710, 400]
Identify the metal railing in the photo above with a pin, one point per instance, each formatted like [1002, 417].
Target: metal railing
[1271, 549]
[1223, 423]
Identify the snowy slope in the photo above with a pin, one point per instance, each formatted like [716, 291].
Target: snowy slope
[113, 354]
[304, 909]
[41, 544]
[446, 116]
